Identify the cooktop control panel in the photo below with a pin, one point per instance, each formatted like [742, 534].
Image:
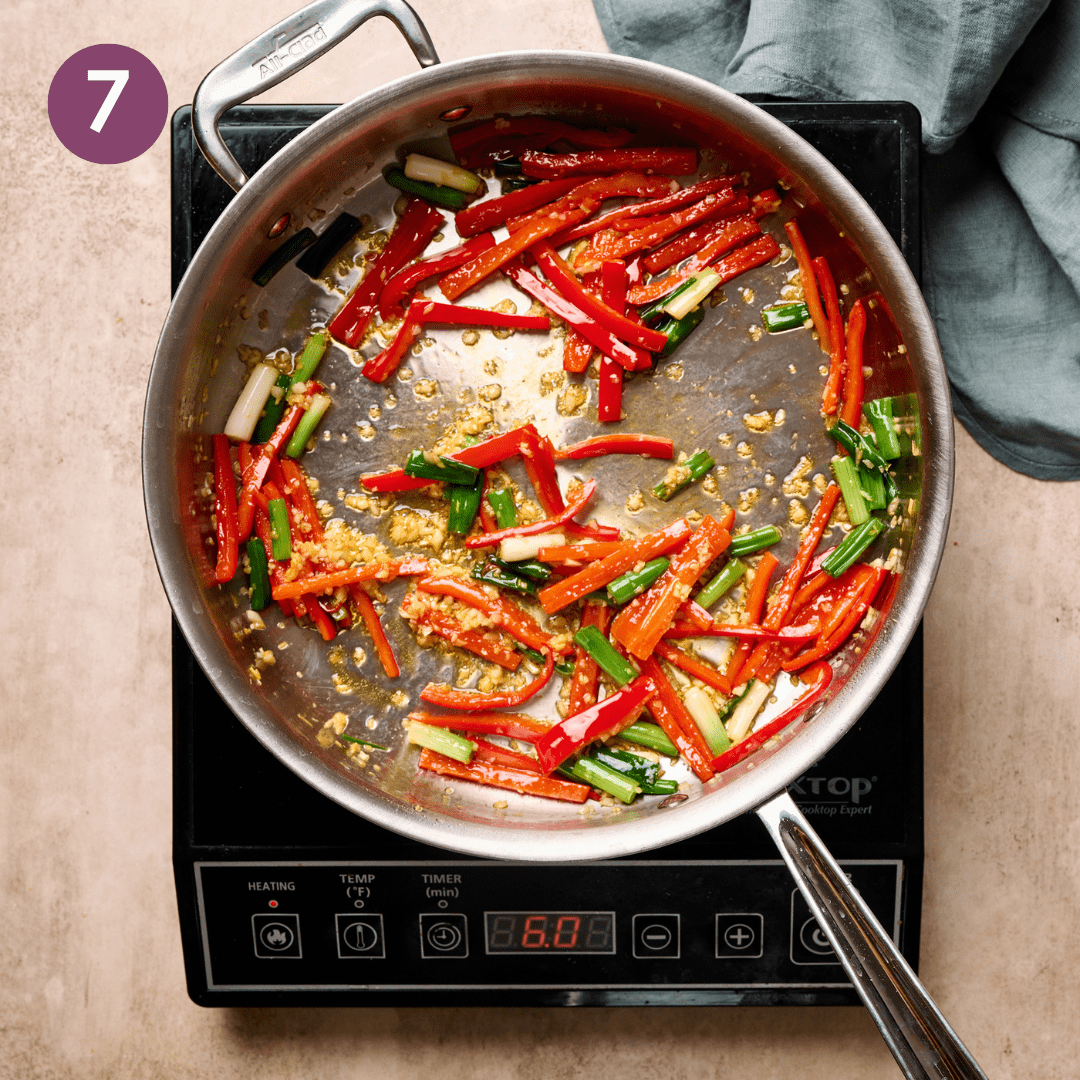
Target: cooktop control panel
[408, 926]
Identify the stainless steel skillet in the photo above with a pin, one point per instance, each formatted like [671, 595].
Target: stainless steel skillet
[720, 377]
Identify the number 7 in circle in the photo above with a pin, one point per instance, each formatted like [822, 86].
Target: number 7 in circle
[119, 81]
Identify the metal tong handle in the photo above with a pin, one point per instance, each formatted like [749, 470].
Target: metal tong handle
[282, 51]
[920, 1038]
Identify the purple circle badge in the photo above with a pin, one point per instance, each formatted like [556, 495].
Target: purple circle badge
[108, 104]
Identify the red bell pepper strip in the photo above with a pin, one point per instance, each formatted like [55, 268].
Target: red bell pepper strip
[738, 262]
[693, 665]
[562, 278]
[510, 725]
[767, 201]
[789, 585]
[491, 213]
[333, 579]
[617, 245]
[536, 528]
[753, 606]
[323, 623]
[693, 240]
[488, 644]
[653, 446]
[585, 682]
[370, 616]
[249, 492]
[576, 553]
[228, 528]
[538, 457]
[493, 754]
[742, 632]
[298, 494]
[627, 215]
[472, 273]
[610, 386]
[519, 624]
[851, 412]
[736, 753]
[557, 595]
[641, 624]
[845, 616]
[494, 774]
[468, 700]
[809, 283]
[404, 281]
[557, 304]
[423, 312]
[578, 349]
[837, 353]
[414, 229]
[599, 721]
[680, 727]
[667, 160]
[624, 185]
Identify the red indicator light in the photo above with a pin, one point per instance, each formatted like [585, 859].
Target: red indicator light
[273, 903]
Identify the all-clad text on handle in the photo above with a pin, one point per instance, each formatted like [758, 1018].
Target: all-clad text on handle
[280, 52]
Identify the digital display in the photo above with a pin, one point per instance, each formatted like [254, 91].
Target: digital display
[551, 932]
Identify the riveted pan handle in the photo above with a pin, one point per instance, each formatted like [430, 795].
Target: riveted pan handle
[920, 1038]
[280, 52]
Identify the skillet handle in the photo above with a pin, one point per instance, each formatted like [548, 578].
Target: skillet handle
[924, 1045]
[280, 52]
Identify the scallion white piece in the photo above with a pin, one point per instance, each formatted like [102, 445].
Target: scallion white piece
[742, 716]
[251, 402]
[433, 171]
[699, 705]
[518, 548]
[684, 303]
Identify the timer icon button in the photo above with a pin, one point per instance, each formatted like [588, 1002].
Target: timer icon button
[444, 936]
[656, 936]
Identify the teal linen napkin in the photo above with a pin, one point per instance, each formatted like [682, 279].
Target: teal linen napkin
[998, 86]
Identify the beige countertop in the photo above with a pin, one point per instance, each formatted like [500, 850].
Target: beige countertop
[91, 977]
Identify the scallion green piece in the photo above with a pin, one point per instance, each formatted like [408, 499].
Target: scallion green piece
[854, 544]
[656, 310]
[259, 572]
[678, 307]
[501, 501]
[272, 411]
[450, 198]
[313, 351]
[464, 506]
[683, 475]
[880, 414]
[532, 569]
[442, 741]
[605, 654]
[624, 788]
[315, 411]
[720, 584]
[678, 329]
[640, 769]
[863, 451]
[749, 542]
[651, 735]
[872, 483]
[847, 476]
[634, 582]
[428, 467]
[785, 317]
[280, 530]
[429, 170]
[491, 574]
[364, 742]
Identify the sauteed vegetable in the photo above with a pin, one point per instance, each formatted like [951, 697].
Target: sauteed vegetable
[610, 243]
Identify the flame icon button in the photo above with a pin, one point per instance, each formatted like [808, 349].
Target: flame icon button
[276, 936]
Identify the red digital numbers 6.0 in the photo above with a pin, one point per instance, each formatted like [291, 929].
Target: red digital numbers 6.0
[531, 932]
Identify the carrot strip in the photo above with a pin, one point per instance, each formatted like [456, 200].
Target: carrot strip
[585, 682]
[499, 776]
[693, 665]
[851, 413]
[837, 353]
[321, 583]
[755, 602]
[596, 575]
[671, 714]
